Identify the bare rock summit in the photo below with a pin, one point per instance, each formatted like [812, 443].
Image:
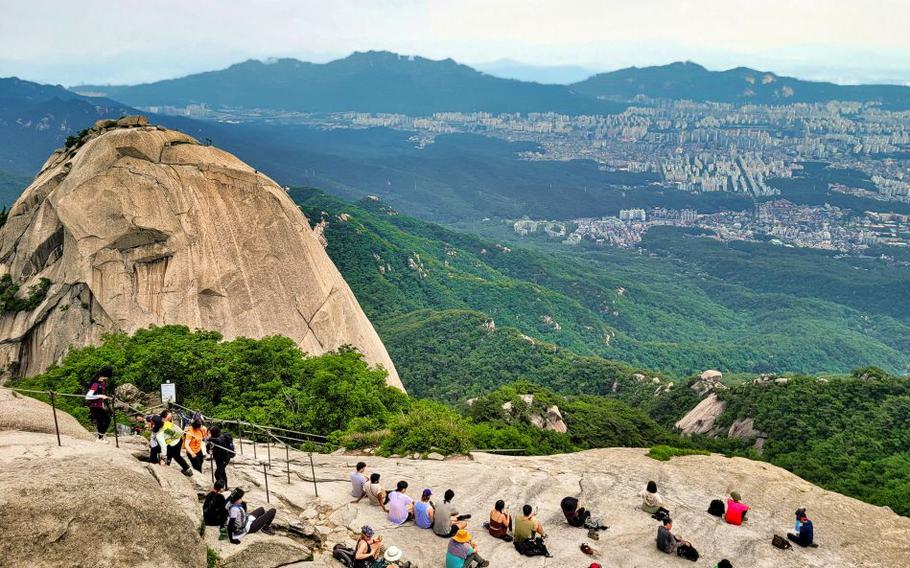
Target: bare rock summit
[136, 225]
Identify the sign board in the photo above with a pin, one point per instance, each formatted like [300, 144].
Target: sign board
[168, 392]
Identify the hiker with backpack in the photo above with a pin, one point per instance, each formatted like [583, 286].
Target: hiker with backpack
[670, 543]
[170, 438]
[222, 450]
[462, 552]
[401, 506]
[194, 442]
[374, 492]
[500, 524]
[529, 534]
[736, 510]
[424, 513]
[214, 507]
[241, 523]
[652, 502]
[96, 398]
[446, 520]
[805, 535]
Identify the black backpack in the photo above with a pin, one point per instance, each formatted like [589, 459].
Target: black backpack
[531, 547]
[343, 554]
[781, 543]
[717, 508]
[687, 552]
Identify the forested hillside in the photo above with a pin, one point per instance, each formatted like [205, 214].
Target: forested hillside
[683, 309]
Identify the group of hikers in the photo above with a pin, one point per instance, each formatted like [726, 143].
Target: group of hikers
[524, 531]
[231, 515]
[168, 440]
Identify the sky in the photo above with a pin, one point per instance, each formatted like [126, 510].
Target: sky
[130, 41]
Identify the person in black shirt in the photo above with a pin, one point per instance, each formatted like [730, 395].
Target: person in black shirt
[222, 450]
[214, 508]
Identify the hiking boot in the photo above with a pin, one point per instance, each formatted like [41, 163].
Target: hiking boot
[593, 535]
[187, 472]
[484, 564]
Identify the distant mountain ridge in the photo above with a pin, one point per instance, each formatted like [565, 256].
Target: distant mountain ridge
[688, 80]
[374, 81]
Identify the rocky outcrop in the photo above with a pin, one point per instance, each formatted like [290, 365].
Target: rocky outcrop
[700, 420]
[137, 225]
[20, 412]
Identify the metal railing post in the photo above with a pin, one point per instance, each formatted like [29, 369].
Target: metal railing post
[266, 475]
[114, 422]
[313, 471]
[240, 436]
[212, 465]
[268, 448]
[54, 408]
[255, 457]
[287, 460]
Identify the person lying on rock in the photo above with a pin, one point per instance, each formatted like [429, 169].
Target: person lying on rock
[736, 510]
[500, 525]
[424, 512]
[401, 506]
[652, 502]
[214, 507]
[170, 437]
[806, 533]
[446, 520]
[462, 552]
[529, 534]
[374, 492]
[240, 522]
[670, 543]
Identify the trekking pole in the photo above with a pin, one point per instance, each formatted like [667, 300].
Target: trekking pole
[287, 460]
[54, 408]
[266, 475]
[313, 470]
[114, 421]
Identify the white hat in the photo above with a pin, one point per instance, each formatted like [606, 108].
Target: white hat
[392, 554]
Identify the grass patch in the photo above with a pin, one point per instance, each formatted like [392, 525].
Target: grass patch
[212, 560]
[664, 453]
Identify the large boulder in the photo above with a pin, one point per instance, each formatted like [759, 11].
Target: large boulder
[700, 420]
[143, 226]
[20, 412]
[87, 505]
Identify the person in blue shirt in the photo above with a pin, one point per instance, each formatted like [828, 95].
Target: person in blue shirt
[806, 534]
[424, 513]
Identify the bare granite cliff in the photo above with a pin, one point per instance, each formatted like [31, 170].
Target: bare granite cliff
[137, 225]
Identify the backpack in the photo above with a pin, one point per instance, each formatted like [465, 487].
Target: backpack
[781, 543]
[344, 555]
[687, 552]
[531, 547]
[717, 508]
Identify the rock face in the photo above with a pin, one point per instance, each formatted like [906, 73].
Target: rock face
[138, 225]
[700, 420]
[19, 412]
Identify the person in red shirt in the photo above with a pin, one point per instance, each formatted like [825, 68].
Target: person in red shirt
[736, 510]
[96, 398]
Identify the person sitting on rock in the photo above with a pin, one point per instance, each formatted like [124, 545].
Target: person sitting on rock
[391, 559]
[806, 533]
[401, 506]
[651, 501]
[500, 524]
[374, 492]
[462, 552]
[368, 548]
[358, 480]
[241, 523]
[529, 534]
[194, 442]
[170, 437]
[575, 515]
[446, 521]
[214, 508]
[736, 510]
[670, 543]
[424, 513]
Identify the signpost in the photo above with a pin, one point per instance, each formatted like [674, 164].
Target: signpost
[168, 392]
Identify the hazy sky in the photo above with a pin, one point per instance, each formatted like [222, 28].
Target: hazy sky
[96, 41]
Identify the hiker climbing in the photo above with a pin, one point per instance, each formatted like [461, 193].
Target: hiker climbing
[241, 522]
[194, 442]
[170, 437]
[222, 450]
[97, 398]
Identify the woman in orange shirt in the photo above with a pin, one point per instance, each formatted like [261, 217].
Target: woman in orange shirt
[194, 442]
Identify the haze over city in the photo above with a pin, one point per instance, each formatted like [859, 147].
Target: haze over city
[99, 41]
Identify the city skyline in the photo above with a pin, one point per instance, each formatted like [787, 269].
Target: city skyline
[99, 41]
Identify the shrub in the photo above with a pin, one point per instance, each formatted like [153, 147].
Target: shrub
[664, 453]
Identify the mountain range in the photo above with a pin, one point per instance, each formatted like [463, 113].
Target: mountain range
[380, 81]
